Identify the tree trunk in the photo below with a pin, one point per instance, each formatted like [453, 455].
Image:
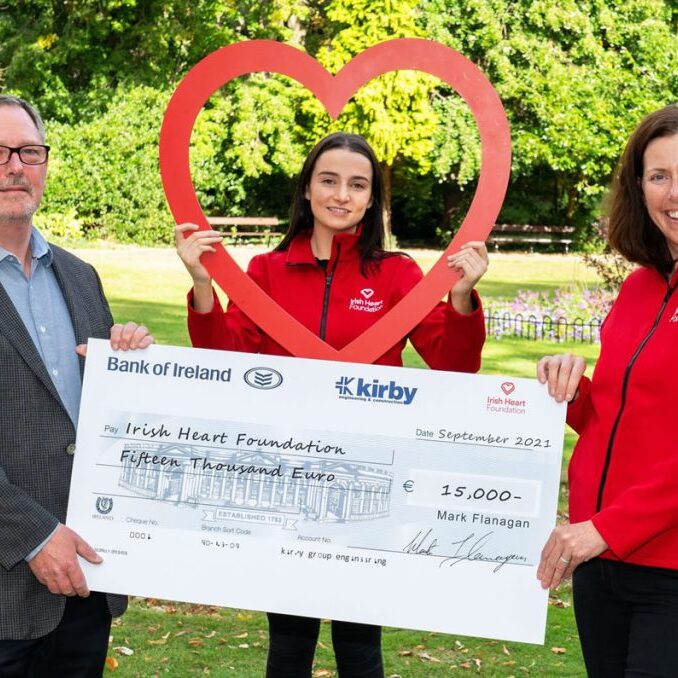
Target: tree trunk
[386, 206]
[572, 201]
[451, 205]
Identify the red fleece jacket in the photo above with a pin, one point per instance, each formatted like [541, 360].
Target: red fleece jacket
[624, 471]
[341, 309]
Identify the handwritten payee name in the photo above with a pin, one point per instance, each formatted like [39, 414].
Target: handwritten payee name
[240, 440]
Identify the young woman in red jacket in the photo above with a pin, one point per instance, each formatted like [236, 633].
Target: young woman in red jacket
[622, 541]
[332, 274]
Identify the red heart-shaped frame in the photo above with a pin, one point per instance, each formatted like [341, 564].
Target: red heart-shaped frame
[229, 62]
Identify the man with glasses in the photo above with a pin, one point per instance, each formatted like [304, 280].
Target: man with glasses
[50, 303]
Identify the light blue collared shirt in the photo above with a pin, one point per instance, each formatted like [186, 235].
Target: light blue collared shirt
[40, 303]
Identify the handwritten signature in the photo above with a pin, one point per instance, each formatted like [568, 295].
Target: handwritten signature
[469, 549]
[422, 545]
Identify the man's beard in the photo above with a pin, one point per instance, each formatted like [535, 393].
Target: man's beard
[28, 209]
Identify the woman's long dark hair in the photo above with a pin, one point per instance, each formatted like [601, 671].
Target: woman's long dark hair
[631, 231]
[371, 239]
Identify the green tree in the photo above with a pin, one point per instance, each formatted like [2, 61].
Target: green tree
[394, 111]
[575, 78]
[69, 56]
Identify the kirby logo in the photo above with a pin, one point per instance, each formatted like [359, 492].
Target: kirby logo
[505, 404]
[372, 390]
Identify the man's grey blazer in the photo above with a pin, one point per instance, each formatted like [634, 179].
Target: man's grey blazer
[36, 451]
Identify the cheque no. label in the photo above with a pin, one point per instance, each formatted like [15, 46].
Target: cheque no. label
[392, 496]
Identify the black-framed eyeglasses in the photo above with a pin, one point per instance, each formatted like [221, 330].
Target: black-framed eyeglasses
[31, 154]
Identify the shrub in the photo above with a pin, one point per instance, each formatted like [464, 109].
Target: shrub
[104, 172]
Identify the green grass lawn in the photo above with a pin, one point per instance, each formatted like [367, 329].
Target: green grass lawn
[149, 286]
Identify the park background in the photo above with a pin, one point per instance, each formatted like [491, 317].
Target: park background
[574, 77]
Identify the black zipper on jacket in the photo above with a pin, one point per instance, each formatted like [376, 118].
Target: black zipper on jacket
[625, 383]
[329, 275]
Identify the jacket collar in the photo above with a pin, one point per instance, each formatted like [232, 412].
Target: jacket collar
[673, 278]
[344, 248]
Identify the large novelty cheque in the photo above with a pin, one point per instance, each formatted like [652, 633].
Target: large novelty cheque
[400, 497]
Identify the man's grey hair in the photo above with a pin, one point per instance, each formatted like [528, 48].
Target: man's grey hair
[9, 100]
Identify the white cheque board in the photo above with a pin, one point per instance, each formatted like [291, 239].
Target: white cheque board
[401, 497]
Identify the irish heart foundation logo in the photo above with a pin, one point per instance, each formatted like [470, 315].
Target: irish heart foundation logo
[367, 293]
[232, 61]
[508, 387]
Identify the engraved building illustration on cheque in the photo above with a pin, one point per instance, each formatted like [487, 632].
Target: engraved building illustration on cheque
[356, 492]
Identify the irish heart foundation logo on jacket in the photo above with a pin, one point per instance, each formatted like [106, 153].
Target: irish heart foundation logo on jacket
[365, 303]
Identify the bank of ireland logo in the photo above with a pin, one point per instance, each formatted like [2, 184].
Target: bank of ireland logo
[357, 388]
[104, 505]
[263, 377]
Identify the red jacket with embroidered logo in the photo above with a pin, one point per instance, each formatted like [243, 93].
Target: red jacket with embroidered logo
[341, 309]
[624, 470]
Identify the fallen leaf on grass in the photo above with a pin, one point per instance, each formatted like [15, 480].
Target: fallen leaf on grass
[159, 641]
[428, 658]
[244, 646]
[124, 651]
[405, 653]
[211, 634]
[323, 673]
[195, 642]
[558, 650]
[559, 602]
[244, 616]
[505, 650]
[111, 663]
[180, 633]
[242, 635]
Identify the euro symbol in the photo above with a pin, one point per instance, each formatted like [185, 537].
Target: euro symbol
[408, 486]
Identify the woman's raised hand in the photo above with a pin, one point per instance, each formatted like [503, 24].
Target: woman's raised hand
[191, 248]
[562, 373]
[471, 261]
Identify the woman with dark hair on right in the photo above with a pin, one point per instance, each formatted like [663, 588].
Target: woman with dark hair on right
[621, 545]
